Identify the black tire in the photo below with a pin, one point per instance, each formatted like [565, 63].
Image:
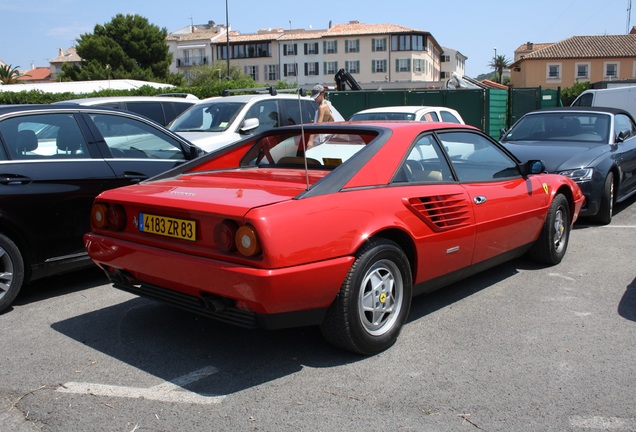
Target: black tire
[552, 243]
[606, 210]
[374, 301]
[11, 272]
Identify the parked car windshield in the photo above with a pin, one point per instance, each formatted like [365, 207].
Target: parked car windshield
[587, 127]
[209, 117]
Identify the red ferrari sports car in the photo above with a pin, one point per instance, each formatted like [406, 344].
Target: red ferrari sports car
[336, 225]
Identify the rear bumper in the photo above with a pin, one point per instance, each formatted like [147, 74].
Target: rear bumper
[269, 298]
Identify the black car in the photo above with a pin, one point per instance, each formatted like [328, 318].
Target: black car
[596, 147]
[54, 160]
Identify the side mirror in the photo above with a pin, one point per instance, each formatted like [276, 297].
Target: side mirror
[502, 133]
[532, 167]
[248, 125]
[622, 135]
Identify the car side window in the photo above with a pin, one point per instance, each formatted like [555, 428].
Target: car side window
[623, 123]
[152, 110]
[131, 138]
[266, 113]
[449, 117]
[425, 163]
[297, 111]
[430, 117]
[475, 158]
[44, 136]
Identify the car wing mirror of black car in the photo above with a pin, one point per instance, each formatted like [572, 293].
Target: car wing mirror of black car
[502, 133]
[622, 136]
[532, 167]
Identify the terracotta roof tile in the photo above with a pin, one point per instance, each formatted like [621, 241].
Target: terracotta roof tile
[358, 28]
[606, 46]
[37, 74]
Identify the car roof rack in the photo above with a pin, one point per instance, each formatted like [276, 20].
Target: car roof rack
[273, 91]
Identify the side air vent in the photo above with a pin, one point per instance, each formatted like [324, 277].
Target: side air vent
[441, 212]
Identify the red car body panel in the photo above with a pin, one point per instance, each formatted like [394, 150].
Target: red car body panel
[309, 243]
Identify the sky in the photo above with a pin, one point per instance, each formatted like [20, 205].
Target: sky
[32, 32]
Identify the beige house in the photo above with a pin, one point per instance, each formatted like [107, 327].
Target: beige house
[374, 54]
[64, 56]
[576, 59]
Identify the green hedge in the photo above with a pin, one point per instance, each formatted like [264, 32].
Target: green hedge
[40, 97]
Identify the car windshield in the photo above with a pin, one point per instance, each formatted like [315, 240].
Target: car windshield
[207, 117]
[383, 116]
[326, 151]
[559, 126]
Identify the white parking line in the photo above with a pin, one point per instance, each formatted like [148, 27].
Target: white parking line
[603, 423]
[166, 392]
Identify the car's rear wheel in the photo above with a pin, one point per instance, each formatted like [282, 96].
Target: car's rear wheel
[373, 302]
[606, 209]
[11, 271]
[552, 243]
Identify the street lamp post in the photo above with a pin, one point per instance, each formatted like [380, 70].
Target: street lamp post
[227, 37]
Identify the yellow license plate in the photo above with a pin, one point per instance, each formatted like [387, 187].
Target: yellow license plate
[166, 226]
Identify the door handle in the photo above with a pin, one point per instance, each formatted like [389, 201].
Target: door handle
[134, 177]
[12, 179]
[479, 199]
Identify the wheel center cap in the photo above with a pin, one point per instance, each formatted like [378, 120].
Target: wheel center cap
[382, 297]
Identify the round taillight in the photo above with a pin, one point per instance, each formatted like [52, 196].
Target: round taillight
[224, 234]
[116, 218]
[98, 215]
[247, 241]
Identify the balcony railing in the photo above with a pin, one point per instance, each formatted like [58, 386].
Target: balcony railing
[192, 61]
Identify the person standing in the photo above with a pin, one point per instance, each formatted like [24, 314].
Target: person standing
[323, 113]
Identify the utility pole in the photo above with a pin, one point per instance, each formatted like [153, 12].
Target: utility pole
[227, 34]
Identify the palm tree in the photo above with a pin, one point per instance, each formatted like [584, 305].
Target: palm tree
[499, 63]
[9, 74]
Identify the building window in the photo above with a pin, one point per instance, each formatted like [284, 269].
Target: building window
[553, 71]
[611, 70]
[330, 68]
[311, 68]
[352, 45]
[445, 59]
[444, 75]
[403, 65]
[378, 45]
[248, 50]
[289, 69]
[272, 73]
[330, 47]
[290, 49]
[378, 66]
[311, 48]
[352, 66]
[582, 71]
[418, 65]
[252, 71]
[407, 42]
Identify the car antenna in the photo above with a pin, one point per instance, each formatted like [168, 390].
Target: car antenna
[300, 109]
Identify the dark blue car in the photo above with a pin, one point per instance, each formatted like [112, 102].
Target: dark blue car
[595, 147]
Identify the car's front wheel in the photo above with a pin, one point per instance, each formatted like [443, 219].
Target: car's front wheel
[373, 302]
[552, 243]
[11, 271]
[606, 209]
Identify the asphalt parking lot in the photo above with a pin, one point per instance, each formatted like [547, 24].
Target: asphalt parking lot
[516, 348]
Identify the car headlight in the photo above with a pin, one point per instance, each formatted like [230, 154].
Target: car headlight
[579, 175]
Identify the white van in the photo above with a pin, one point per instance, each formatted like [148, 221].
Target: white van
[615, 97]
